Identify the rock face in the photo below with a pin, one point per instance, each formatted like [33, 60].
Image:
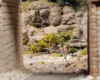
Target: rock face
[35, 39]
[67, 10]
[52, 20]
[67, 17]
[83, 25]
[55, 18]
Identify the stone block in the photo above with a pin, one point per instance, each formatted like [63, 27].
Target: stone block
[7, 27]
[93, 19]
[7, 22]
[7, 16]
[7, 9]
[7, 33]
[93, 34]
[94, 69]
[93, 41]
[93, 45]
[9, 45]
[93, 26]
[94, 52]
[98, 22]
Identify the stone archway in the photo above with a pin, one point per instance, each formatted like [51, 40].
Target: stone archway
[93, 37]
[11, 49]
[10, 35]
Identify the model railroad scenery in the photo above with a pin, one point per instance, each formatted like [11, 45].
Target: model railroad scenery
[55, 36]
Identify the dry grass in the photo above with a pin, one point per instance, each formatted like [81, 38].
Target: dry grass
[25, 5]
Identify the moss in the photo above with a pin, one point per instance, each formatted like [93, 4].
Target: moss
[57, 55]
[83, 52]
[72, 50]
[25, 41]
[27, 52]
[70, 28]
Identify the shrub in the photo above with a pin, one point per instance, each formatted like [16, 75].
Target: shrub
[25, 41]
[83, 52]
[41, 44]
[52, 38]
[38, 47]
[65, 37]
[73, 50]
[33, 48]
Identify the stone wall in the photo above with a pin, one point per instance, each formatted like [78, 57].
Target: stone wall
[94, 37]
[10, 35]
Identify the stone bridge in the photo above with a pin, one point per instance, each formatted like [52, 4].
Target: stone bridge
[11, 38]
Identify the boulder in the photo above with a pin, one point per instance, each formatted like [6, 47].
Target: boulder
[67, 17]
[43, 6]
[76, 33]
[60, 29]
[31, 31]
[44, 13]
[78, 44]
[79, 14]
[67, 10]
[32, 12]
[55, 18]
[26, 48]
[55, 9]
[83, 25]
[45, 22]
[35, 39]
[72, 21]
[50, 29]
[25, 33]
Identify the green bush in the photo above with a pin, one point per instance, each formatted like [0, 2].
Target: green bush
[38, 47]
[83, 52]
[25, 41]
[52, 38]
[33, 48]
[41, 44]
[65, 37]
[72, 50]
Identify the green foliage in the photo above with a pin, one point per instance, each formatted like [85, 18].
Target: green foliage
[33, 48]
[52, 38]
[41, 44]
[38, 47]
[83, 52]
[76, 4]
[72, 50]
[65, 37]
[70, 28]
[25, 41]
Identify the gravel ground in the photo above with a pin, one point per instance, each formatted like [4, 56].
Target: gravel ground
[51, 64]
